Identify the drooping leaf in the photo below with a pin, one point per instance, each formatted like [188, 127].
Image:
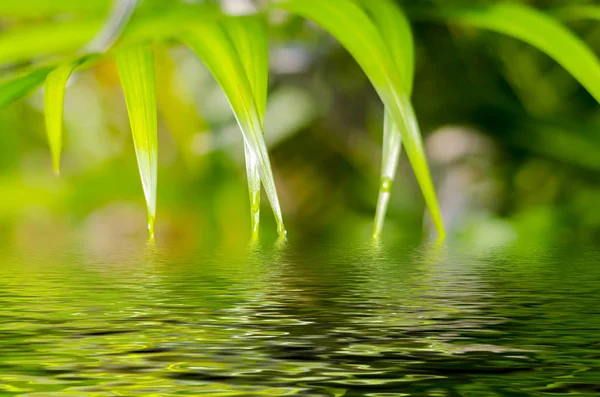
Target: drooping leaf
[136, 71]
[45, 8]
[253, 176]
[541, 31]
[151, 23]
[346, 21]
[22, 44]
[113, 27]
[54, 98]
[392, 146]
[15, 88]
[213, 45]
[395, 29]
[249, 36]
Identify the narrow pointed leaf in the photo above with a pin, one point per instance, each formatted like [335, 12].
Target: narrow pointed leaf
[249, 36]
[395, 29]
[136, 71]
[253, 174]
[539, 30]
[15, 88]
[26, 42]
[54, 101]
[113, 27]
[392, 145]
[397, 33]
[346, 21]
[212, 44]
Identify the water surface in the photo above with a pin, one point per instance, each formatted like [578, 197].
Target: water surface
[339, 322]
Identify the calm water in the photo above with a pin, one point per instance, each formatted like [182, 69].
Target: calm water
[340, 322]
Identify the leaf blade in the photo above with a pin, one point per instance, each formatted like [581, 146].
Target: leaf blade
[25, 43]
[15, 88]
[214, 47]
[137, 75]
[54, 97]
[357, 33]
[249, 36]
[539, 30]
[395, 28]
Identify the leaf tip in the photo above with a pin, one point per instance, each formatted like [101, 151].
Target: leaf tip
[151, 221]
[56, 163]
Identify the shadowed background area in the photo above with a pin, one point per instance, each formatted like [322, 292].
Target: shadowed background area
[512, 138]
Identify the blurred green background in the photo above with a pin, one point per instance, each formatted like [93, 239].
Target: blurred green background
[513, 141]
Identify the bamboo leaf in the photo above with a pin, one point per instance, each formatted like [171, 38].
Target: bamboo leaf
[392, 146]
[397, 33]
[212, 44]
[54, 98]
[24, 43]
[45, 8]
[113, 27]
[346, 21]
[136, 71]
[395, 28]
[539, 30]
[249, 36]
[15, 88]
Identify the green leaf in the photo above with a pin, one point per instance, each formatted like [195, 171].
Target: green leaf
[28, 42]
[45, 8]
[17, 87]
[392, 146]
[113, 27]
[346, 21]
[22, 44]
[249, 36]
[213, 45]
[539, 30]
[395, 29]
[136, 71]
[397, 33]
[54, 98]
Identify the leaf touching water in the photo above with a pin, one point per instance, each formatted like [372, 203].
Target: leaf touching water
[54, 99]
[15, 88]
[346, 21]
[397, 34]
[539, 30]
[213, 45]
[249, 36]
[136, 71]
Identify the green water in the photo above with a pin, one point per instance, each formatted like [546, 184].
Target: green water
[335, 322]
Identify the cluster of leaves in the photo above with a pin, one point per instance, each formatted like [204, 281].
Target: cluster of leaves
[376, 33]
